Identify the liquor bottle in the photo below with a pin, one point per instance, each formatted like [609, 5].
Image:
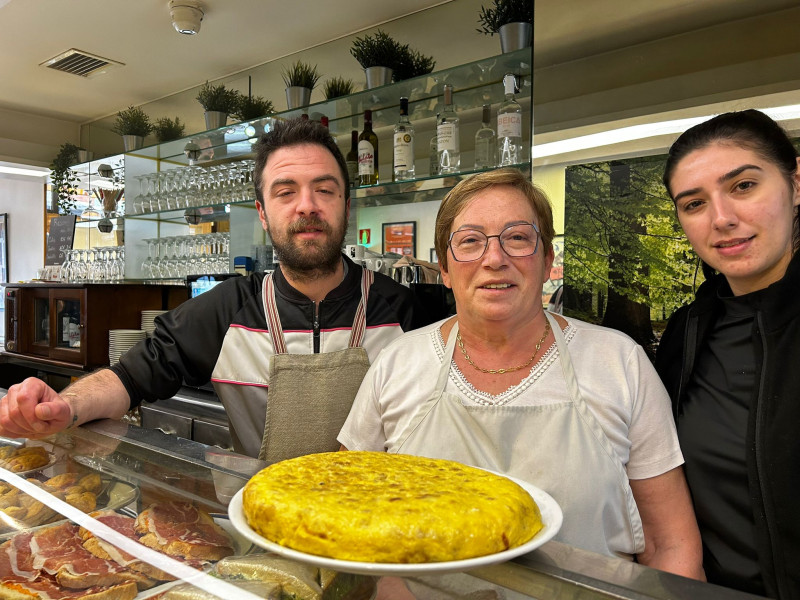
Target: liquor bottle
[485, 142]
[352, 159]
[368, 153]
[403, 159]
[509, 126]
[447, 141]
[434, 154]
[63, 324]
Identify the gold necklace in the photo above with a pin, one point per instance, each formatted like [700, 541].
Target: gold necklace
[511, 369]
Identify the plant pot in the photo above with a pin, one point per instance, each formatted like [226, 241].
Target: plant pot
[378, 76]
[515, 36]
[215, 119]
[132, 142]
[297, 97]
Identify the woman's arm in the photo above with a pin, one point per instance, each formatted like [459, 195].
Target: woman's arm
[671, 536]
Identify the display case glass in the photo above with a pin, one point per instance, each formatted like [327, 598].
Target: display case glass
[154, 492]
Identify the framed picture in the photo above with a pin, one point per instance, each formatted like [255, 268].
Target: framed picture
[4, 248]
[434, 258]
[400, 238]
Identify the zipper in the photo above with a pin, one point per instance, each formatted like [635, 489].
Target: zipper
[689, 343]
[760, 462]
[316, 327]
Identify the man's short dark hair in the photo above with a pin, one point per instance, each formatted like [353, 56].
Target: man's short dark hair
[296, 132]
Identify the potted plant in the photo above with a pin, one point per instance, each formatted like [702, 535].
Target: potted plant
[133, 125]
[63, 178]
[378, 54]
[252, 107]
[166, 129]
[300, 79]
[412, 64]
[218, 102]
[512, 20]
[335, 87]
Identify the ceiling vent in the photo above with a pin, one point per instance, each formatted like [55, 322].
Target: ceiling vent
[78, 62]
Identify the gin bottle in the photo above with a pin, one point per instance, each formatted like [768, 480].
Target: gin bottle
[509, 126]
[403, 159]
[485, 142]
[447, 139]
[433, 157]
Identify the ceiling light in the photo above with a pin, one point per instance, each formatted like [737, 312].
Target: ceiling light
[17, 169]
[186, 15]
[647, 130]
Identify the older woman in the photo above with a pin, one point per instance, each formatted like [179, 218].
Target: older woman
[573, 408]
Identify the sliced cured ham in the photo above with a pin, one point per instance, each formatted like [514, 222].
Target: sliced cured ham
[181, 529]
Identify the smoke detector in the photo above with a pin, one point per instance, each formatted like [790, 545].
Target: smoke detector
[186, 15]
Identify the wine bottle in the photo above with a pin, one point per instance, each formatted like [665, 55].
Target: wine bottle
[352, 159]
[485, 142]
[509, 126]
[447, 139]
[403, 159]
[368, 153]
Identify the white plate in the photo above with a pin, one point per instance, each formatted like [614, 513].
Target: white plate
[551, 518]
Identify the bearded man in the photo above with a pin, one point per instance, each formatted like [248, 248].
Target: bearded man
[286, 352]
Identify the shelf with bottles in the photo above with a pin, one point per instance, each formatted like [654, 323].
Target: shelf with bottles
[474, 84]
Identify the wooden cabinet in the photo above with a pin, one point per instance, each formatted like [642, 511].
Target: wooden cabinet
[69, 324]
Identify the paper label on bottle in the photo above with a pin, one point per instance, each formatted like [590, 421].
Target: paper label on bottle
[447, 137]
[366, 158]
[509, 125]
[403, 150]
[74, 335]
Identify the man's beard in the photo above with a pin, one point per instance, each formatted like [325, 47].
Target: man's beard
[310, 259]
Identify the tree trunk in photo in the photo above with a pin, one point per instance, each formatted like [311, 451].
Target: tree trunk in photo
[623, 313]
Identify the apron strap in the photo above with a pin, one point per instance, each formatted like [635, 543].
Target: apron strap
[357, 331]
[273, 319]
[360, 320]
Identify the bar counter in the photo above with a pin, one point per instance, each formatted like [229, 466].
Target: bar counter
[153, 467]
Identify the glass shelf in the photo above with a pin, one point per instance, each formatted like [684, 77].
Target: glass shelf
[474, 84]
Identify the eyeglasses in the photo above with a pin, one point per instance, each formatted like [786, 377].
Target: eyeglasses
[516, 240]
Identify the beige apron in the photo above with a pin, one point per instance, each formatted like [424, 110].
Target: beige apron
[310, 395]
[560, 448]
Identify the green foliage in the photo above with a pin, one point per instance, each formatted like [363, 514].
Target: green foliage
[252, 107]
[132, 121]
[167, 129]
[412, 64]
[336, 87]
[63, 178]
[301, 74]
[378, 50]
[218, 98]
[502, 12]
[622, 236]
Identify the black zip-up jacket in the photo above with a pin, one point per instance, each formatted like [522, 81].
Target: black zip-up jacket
[773, 429]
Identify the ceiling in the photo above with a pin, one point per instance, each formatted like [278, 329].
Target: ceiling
[239, 34]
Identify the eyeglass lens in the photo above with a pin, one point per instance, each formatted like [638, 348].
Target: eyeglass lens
[516, 240]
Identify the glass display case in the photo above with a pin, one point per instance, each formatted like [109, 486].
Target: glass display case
[148, 493]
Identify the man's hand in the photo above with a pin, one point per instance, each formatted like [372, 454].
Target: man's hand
[33, 409]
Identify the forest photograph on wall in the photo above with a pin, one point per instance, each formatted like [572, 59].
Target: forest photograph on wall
[627, 264]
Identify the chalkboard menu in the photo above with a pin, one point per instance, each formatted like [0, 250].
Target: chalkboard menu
[59, 240]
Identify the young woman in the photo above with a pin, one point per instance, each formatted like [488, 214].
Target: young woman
[730, 359]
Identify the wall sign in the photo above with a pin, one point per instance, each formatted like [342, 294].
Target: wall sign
[400, 238]
[59, 239]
